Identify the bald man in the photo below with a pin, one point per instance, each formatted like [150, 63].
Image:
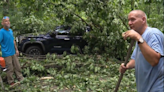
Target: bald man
[146, 57]
[10, 52]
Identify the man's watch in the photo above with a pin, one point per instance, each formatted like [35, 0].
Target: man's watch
[141, 40]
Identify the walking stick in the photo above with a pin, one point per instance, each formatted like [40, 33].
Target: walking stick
[126, 61]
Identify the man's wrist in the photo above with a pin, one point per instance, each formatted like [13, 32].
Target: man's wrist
[141, 40]
[129, 67]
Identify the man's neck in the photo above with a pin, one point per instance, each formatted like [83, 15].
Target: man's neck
[143, 30]
[6, 28]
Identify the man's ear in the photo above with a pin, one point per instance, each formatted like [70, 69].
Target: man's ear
[144, 19]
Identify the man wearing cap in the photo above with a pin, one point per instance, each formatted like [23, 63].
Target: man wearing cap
[10, 52]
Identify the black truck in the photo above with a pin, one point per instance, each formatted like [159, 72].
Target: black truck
[57, 41]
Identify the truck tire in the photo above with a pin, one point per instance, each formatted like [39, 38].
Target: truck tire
[34, 50]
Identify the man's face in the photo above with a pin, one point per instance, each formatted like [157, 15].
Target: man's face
[135, 21]
[6, 23]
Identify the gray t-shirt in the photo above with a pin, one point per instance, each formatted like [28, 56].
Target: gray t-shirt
[149, 78]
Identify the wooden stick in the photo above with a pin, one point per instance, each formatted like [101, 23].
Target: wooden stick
[126, 61]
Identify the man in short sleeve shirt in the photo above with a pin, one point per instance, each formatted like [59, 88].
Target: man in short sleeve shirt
[146, 57]
[10, 52]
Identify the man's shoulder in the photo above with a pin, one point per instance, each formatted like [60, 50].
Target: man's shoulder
[152, 30]
[1, 30]
[152, 33]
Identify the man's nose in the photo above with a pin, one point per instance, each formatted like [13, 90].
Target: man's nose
[130, 22]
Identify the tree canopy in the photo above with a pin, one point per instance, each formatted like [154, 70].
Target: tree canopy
[106, 18]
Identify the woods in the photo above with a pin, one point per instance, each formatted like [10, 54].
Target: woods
[89, 72]
[107, 19]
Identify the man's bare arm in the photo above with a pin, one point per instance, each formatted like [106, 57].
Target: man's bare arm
[131, 64]
[149, 52]
[16, 49]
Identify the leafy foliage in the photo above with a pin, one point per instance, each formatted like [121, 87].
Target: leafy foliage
[74, 73]
[107, 19]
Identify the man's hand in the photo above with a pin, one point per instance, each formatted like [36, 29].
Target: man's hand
[132, 34]
[123, 68]
[17, 52]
